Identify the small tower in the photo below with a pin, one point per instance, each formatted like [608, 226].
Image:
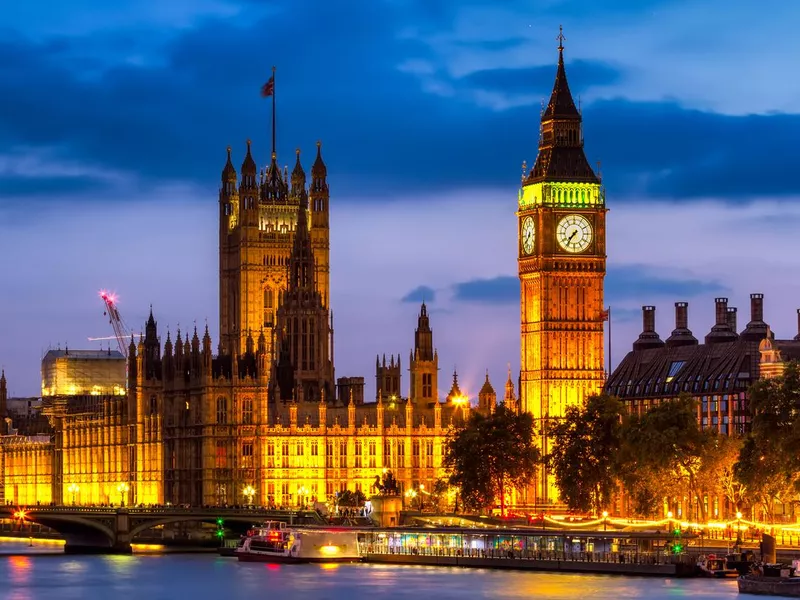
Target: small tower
[387, 378]
[771, 363]
[319, 199]
[510, 398]
[3, 402]
[455, 395]
[424, 362]
[487, 398]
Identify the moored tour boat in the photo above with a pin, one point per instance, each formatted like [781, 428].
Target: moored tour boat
[275, 543]
[713, 566]
[771, 580]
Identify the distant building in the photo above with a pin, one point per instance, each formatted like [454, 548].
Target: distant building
[717, 373]
[78, 372]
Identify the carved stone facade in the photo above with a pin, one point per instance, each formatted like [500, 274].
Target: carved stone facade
[562, 265]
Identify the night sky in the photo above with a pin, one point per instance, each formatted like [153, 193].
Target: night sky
[114, 118]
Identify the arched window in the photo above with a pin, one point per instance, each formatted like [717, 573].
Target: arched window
[222, 411]
[269, 307]
[247, 411]
[153, 404]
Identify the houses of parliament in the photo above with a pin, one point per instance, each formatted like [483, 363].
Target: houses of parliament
[263, 414]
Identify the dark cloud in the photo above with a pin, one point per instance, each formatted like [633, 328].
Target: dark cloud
[171, 118]
[45, 185]
[497, 290]
[420, 294]
[622, 284]
[524, 81]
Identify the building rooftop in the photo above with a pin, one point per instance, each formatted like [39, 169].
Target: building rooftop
[84, 354]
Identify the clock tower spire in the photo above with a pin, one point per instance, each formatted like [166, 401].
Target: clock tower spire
[562, 263]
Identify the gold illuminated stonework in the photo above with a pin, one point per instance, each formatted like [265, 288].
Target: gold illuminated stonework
[561, 279]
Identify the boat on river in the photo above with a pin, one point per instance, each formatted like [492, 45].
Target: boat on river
[715, 566]
[771, 580]
[276, 543]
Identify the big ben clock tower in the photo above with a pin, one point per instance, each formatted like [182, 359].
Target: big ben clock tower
[562, 264]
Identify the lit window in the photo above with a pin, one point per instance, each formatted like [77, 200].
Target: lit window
[674, 368]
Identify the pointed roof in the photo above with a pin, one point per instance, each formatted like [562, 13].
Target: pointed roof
[455, 390]
[318, 169]
[487, 386]
[561, 157]
[229, 172]
[249, 165]
[298, 176]
[561, 105]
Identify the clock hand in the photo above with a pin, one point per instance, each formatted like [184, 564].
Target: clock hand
[574, 233]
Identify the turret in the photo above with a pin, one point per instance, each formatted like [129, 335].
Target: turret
[298, 177]
[3, 402]
[510, 398]
[207, 356]
[487, 398]
[152, 349]
[248, 191]
[797, 337]
[228, 197]
[648, 338]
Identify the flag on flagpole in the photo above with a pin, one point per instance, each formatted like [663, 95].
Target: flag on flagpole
[268, 88]
[605, 314]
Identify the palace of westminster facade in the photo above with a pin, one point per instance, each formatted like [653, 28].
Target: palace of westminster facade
[266, 411]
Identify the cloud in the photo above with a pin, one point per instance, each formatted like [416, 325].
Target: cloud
[497, 290]
[165, 113]
[622, 282]
[420, 294]
[525, 81]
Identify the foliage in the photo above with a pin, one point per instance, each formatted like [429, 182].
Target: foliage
[490, 454]
[665, 446]
[765, 466]
[585, 453]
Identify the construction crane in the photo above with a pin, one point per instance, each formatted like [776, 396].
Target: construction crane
[121, 331]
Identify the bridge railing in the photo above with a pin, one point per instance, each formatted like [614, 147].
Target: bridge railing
[161, 510]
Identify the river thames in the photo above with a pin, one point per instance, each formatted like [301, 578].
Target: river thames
[50, 576]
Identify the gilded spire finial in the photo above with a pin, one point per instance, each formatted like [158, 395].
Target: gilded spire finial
[561, 38]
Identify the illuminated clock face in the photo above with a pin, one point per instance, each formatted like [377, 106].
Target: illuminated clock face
[574, 233]
[528, 235]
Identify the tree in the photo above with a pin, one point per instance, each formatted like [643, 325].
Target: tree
[491, 453]
[585, 453]
[716, 476]
[664, 450]
[765, 466]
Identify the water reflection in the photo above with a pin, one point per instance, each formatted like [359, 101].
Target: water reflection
[203, 577]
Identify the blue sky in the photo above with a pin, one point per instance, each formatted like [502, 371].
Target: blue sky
[114, 118]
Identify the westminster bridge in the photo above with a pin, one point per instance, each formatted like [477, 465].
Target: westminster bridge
[109, 530]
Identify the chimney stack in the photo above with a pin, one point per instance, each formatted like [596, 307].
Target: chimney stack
[756, 329]
[648, 338]
[721, 331]
[732, 318]
[681, 335]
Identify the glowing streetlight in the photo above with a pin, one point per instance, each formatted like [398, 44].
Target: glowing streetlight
[122, 488]
[605, 518]
[73, 488]
[302, 492]
[249, 493]
[738, 527]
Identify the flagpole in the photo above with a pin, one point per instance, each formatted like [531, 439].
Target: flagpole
[609, 341]
[273, 111]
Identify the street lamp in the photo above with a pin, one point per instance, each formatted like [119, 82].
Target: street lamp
[122, 488]
[249, 492]
[605, 516]
[302, 492]
[73, 489]
[738, 528]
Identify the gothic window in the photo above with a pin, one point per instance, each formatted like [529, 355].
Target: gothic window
[314, 448]
[429, 454]
[222, 411]
[401, 454]
[427, 385]
[372, 454]
[387, 454]
[221, 460]
[329, 455]
[247, 411]
[415, 453]
[247, 455]
[285, 455]
[153, 405]
[358, 451]
[270, 455]
[269, 307]
[343, 454]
